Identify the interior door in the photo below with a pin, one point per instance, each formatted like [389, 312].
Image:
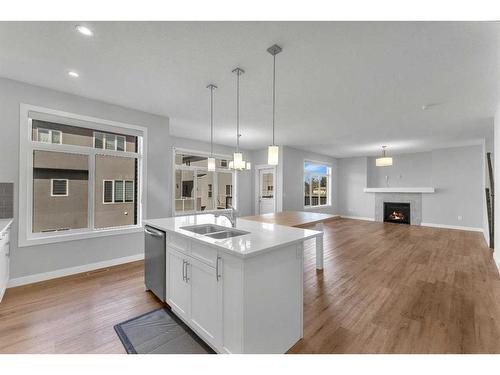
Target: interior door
[206, 301]
[177, 283]
[267, 184]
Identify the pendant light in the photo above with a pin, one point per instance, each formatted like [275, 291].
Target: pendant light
[384, 161]
[238, 163]
[273, 150]
[211, 159]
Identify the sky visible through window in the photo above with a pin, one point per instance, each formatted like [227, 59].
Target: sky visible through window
[315, 168]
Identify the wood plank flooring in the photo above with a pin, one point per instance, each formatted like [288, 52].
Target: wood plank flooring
[386, 288]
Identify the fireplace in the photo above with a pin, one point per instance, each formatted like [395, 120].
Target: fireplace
[395, 212]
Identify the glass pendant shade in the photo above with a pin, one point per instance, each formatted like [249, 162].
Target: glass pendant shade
[231, 164]
[272, 155]
[238, 160]
[383, 162]
[211, 164]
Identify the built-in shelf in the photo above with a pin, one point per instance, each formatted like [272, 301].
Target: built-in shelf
[400, 190]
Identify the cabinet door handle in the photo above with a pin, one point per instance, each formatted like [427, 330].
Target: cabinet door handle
[183, 270]
[217, 274]
[187, 264]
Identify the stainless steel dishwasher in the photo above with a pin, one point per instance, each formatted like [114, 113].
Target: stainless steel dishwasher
[155, 261]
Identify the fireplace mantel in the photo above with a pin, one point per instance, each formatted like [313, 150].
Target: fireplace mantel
[400, 190]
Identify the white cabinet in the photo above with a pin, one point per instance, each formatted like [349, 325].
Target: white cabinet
[206, 301]
[177, 284]
[194, 292]
[4, 261]
[235, 304]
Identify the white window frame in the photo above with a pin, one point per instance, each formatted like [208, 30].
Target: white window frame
[215, 183]
[328, 175]
[104, 135]
[50, 135]
[52, 187]
[27, 146]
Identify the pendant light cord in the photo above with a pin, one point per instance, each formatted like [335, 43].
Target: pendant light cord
[211, 121]
[274, 92]
[237, 111]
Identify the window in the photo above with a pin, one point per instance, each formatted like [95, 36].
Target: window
[59, 188]
[108, 141]
[317, 185]
[108, 191]
[120, 143]
[118, 191]
[49, 136]
[73, 179]
[196, 189]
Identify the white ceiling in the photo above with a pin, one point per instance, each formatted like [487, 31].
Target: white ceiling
[344, 88]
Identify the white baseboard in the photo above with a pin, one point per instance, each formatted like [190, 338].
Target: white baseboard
[358, 218]
[445, 226]
[30, 279]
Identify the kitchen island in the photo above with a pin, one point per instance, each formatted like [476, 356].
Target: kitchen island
[240, 289]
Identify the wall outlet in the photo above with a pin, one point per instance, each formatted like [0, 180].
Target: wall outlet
[460, 218]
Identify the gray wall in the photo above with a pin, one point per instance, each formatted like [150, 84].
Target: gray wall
[44, 258]
[406, 170]
[352, 179]
[456, 173]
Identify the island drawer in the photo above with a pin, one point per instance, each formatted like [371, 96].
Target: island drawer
[178, 242]
[203, 253]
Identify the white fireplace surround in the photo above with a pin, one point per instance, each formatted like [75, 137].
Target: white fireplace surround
[400, 190]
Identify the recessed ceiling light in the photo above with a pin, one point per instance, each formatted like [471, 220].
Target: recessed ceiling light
[73, 74]
[84, 30]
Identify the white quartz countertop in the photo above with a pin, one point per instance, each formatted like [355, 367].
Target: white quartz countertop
[4, 223]
[262, 237]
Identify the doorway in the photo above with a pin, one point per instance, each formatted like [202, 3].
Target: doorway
[265, 190]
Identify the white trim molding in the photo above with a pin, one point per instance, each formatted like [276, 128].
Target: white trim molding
[30, 279]
[446, 226]
[357, 218]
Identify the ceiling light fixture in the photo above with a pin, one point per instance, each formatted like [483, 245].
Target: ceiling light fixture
[238, 163]
[84, 30]
[211, 159]
[273, 150]
[73, 74]
[384, 161]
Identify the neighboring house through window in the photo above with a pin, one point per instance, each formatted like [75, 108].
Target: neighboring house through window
[112, 142]
[317, 184]
[49, 136]
[197, 189]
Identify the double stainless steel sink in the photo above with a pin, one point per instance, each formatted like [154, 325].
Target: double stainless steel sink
[214, 231]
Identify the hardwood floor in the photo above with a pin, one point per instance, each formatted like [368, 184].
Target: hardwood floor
[386, 288]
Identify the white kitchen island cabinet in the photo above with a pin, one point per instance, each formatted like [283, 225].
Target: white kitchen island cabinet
[4, 254]
[242, 294]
